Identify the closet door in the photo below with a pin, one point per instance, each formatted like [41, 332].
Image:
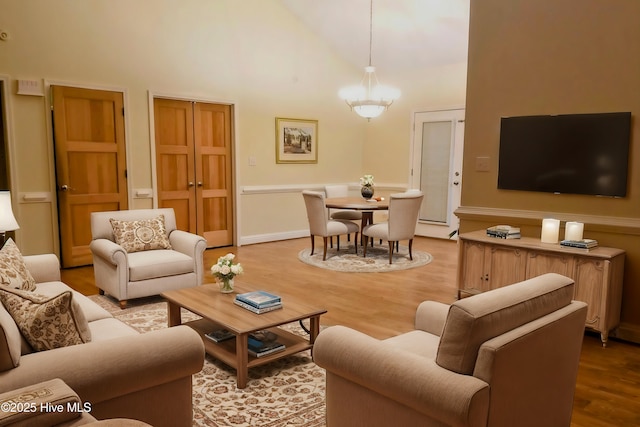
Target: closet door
[214, 192]
[90, 158]
[194, 166]
[175, 167]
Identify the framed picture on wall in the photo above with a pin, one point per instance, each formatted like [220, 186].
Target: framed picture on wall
[296, 141]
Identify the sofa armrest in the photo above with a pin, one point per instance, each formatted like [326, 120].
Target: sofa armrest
[187, 243]
[108, 251]
[431, 316]
[403, 377]
[28, 405]
[102, 370]
[43, 268]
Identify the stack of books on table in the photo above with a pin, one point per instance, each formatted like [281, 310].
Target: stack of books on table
[580, 244]
[220, 335]
[504, 232]
[259, 301]
[263, 343]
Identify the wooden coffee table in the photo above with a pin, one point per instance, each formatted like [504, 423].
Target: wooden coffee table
[218, 311]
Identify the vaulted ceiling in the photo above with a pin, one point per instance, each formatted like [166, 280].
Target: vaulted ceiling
[407, 34]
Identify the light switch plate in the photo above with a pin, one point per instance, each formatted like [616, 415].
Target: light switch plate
[30, 87]
[482, 164]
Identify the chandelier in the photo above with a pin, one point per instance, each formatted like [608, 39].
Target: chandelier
[370, 98]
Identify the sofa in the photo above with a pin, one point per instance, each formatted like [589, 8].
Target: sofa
[503, 358]
[119, 372]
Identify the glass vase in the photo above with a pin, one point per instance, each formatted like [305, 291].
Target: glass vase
[226, 285]
[366, 191]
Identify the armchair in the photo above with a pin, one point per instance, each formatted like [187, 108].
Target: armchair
[502, 358]
[133, 274]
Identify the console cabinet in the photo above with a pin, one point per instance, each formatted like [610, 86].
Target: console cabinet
[486, 263]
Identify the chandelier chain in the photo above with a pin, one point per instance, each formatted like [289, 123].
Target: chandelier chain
[370, 30]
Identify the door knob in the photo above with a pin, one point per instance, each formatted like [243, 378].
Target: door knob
[190, 184]
[199, 183]
[64, 187]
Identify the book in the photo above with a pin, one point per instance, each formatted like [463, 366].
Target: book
[581, 244]
[259, 299]
[258, 310]
[504, 232]
[220, 335]
[261, 347]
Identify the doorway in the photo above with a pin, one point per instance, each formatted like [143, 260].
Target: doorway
[436, 169]
[90, 163]
[194, 166]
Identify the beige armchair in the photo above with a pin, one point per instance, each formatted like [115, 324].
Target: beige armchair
[321, 225]
[503, 358]
[149, 266]
[401, 225]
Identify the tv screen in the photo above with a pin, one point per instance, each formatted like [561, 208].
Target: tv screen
[573, 153]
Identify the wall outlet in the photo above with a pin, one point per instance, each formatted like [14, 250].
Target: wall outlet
[482, 164]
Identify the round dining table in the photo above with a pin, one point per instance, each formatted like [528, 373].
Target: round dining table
[366, 206]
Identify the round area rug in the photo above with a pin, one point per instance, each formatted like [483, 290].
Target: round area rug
[377, 260]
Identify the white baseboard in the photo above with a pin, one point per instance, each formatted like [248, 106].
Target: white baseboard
[272, 237]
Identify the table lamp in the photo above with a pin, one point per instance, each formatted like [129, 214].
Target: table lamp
[7, 220]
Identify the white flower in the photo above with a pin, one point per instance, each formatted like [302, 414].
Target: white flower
[366, 180]
[225, 268]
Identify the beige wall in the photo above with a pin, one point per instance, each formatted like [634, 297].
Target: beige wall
[252, 53]
[530, 57]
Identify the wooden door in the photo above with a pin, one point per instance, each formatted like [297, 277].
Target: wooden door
[214, 193]
[175, 167]
[504, 265]
[90, 162]
[194, 166]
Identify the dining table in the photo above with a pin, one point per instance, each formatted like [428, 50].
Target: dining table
[366, 206]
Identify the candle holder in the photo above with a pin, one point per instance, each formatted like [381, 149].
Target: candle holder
[573, 231]
[550, 230]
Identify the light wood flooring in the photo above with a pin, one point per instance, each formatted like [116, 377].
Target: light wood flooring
[383, 305]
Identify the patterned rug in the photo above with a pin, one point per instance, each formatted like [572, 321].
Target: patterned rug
[287, 392]
[377, 260]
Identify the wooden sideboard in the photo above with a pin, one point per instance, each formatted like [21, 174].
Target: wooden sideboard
[486, 263]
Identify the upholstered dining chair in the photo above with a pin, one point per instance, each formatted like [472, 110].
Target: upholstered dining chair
[340, 190]
[321, 225]
[140, 252]
[401, 225]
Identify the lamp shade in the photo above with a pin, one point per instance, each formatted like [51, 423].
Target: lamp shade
[7, 220]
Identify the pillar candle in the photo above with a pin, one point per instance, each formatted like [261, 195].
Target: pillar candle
[550, 230]
[573, 231]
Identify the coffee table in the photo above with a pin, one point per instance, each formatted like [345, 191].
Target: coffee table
[218, 311]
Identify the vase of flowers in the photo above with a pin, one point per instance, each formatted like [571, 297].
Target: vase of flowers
[224, 271]
[366, 186]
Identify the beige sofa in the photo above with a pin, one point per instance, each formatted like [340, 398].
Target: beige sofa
[120, 373]
[507, 357]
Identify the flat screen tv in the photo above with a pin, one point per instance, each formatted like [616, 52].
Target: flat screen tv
[572, 153]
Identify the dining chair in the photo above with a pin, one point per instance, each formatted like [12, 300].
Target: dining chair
[321, 225]
[340, 190]
[401, 225]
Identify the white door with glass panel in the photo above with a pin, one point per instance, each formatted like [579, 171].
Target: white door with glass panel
[436, 169]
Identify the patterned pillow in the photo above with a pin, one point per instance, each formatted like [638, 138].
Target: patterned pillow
[47, 322]
[13, 271]
[141, 235]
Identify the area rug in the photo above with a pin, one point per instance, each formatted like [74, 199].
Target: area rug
[377, 260]
[287, 392]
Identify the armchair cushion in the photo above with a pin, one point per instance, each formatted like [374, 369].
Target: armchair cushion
[141, 235]
[10, 341]
[472, 321]
[13, 271]
[159, 263]
[47, 322]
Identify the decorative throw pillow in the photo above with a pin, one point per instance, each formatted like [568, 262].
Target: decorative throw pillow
[46, 322]
[141, 235]
[13, 271]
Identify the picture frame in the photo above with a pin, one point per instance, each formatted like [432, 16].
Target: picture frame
[296, 140]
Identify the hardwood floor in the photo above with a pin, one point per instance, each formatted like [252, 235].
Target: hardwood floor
[383, 305]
